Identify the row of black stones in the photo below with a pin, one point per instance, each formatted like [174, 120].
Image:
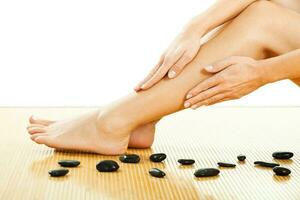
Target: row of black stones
[111, 166]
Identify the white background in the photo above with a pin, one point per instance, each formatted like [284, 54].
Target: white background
[87, 53]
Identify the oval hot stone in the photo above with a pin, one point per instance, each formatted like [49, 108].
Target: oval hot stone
[206, 172]
[282, 155]
[241, 157]
[186, 161]
[130, 158]
[266, 164]
[156, 173]
[281, 171]
[222, 164]
[58, 172]
[69, 163]
[158, 157]
[107, 166]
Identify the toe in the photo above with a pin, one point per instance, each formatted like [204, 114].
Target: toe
[35, 130]
[44, 139]
[44, 122]
[30, 126]
[33, 137]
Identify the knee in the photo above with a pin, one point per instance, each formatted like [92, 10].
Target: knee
[264, 13]
[260, 25]
[259, 17]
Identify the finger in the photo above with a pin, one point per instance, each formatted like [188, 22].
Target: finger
[220, 65]
[203, 96]
[161, 72]
[138, 87]
[204, 85]
[152, 72]
[212, 100]
[179, 65]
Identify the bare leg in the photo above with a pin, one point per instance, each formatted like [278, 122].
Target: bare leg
[259, 32]
[107, 131]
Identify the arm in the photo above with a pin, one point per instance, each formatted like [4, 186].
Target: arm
[286, 66]
[218, 14]
[187, 44]
[238, 76]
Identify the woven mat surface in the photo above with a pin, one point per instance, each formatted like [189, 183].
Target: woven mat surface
[208, 135]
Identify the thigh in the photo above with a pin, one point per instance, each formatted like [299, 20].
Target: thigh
[263, 24]
[284, 30]
[273, 27]
[285, 36]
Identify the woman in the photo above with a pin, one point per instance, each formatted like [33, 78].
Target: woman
[259, 44]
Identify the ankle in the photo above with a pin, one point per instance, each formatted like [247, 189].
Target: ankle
[112, 122]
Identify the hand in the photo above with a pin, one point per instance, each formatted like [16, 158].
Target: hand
[181, 51]
[233, 78]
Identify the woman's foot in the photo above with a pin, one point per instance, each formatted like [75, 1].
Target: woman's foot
[88, 133]
[142, 136]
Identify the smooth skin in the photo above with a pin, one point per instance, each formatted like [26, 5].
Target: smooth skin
[235, 76]
[108, 130]
[141, 137]
[187, 44]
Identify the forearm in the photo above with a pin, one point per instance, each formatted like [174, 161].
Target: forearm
[286, 66]
[218, 14]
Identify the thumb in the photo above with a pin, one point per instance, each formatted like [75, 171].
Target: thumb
[219, 66]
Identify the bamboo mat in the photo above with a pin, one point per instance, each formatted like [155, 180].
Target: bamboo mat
[208, 135]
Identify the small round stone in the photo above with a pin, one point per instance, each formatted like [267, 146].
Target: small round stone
[156, 173]
[282, 155]
[222, 164]
[58, 172]
[266, 164]
[69, 163]
[186, 161]
[158, 157]
[130, 158]
[206, 172]
[241, 157]
[107, 166]
[281, 171]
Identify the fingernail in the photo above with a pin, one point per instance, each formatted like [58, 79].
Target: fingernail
[187, 104]
[194, 106]
[189, 96]
[143, 86]
[171, 74]
[209, 68]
